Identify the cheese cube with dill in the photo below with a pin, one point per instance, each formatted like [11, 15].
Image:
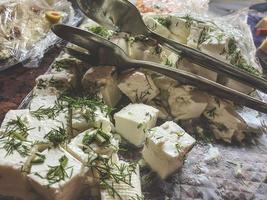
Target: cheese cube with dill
[13, 156]
[166, 147]
[30, 126]
[133, 121]
[138, 86]
[102, 81]
[95, 116]
[129, 188]
[93, 140]
[60, 176]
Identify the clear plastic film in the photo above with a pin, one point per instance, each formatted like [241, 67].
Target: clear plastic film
[25, 29]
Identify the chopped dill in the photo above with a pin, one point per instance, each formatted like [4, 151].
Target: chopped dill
[57, 173]
[57, 136]
[164, 21]
[111, 173]
[101, 31]
[204, 36]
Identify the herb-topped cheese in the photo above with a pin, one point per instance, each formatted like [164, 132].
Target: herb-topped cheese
[60, 176]
[138, 86]
[93, 141]
[133, 121]
[165, 148]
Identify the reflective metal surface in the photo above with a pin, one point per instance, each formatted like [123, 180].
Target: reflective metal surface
[107, 53]
[123, 16]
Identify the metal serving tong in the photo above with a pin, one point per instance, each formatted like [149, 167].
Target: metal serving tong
[103, 52]
[121, 15]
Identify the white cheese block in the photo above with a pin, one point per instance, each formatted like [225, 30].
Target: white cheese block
[138, 86]
[80, 123]
[186, 103]
[48, 91]
[80, 150]
[180, 28]
[165, 148]
[43, 102]
[12, 180]
[155, 26]
[120, 40]
[225, 122]
[104, 80]
[68, 188]
[38, 129]
[124, 190]
[133, 121]
[136, 49]
[61, 81]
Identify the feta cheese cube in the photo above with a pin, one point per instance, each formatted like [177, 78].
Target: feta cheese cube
[133, 121]
[165, 148]
[186, 103]
[124, 190]
[104, 80]
[93, 139]
[13, 181]
[61, 81]
[224, 121]
[155, 26]
[51, 184]
[37, 129]
[80, 121]
[138, 86]
[43, 102]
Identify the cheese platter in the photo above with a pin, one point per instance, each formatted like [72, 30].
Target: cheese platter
[96, 132]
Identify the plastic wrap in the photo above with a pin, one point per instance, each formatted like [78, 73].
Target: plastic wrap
[171, 6]
[25, 30]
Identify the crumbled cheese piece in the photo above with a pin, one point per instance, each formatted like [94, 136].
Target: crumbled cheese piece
[138, 86]
[165, 148]
[133, 121]
[213, 155]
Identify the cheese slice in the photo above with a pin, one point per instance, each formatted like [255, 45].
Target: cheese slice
[133, 121]
[165, 148]
[69, 187]
[138, 86]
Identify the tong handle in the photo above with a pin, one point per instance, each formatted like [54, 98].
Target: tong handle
[212, 63]
[204, 84]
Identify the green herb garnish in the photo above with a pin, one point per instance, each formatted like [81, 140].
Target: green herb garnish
[57, 136]
[164, 21]
[57, 173]
[101, 31]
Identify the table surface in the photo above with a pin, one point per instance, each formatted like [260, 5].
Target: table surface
[18, 81]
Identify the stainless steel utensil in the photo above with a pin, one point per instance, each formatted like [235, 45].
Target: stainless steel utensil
[123, 16]
[104, 52]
